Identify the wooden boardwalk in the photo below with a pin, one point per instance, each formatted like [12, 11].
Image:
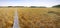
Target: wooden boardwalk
[16, 22]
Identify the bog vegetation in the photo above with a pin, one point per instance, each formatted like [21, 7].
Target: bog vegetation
[31, 17]
[6, 17]
[39, 17]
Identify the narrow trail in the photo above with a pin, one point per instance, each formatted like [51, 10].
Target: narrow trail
[16, 22]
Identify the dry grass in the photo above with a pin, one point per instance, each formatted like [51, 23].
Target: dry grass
[6, 17]
[31, 17]
[39, 17]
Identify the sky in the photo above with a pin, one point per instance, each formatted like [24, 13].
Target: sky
[47, 3]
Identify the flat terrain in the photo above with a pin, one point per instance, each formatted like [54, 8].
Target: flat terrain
[31, 17]
[6, 17]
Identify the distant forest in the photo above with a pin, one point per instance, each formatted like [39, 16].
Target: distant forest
[55, 6]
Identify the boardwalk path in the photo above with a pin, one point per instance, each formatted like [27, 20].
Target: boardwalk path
[16, 23]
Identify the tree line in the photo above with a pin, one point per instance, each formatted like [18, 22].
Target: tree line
[55, 6]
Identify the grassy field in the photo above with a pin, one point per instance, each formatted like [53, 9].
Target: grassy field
[31, 17]
[6, 17]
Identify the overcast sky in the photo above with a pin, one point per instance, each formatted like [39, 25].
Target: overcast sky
[47, 3]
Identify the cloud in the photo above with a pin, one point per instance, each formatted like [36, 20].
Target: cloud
[47, 3]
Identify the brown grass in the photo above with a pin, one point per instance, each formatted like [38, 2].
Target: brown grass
[31, 17]
[6, 17]
[39, 17]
